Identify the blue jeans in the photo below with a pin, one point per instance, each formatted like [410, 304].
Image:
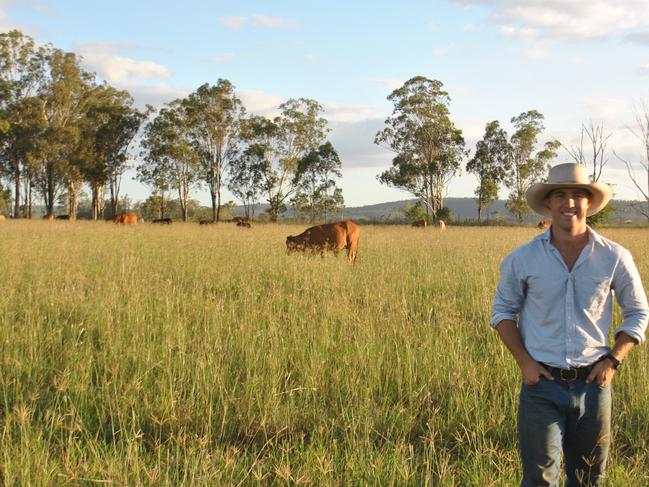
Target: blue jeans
[573, 417]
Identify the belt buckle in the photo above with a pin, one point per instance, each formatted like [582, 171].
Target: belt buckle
[568, 375]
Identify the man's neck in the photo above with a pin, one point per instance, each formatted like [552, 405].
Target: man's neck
[576, 237]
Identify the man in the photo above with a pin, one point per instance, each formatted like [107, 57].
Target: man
[553, 311]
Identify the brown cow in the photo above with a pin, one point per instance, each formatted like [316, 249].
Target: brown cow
[440, 225]
[244, 223]
[543, 224]
[420, 223]
[2, 218]
[331, 236]
[164, 221]
[129, 218]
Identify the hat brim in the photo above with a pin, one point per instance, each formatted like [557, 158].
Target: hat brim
[601, 195]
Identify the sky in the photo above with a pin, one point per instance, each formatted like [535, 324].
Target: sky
[575, 61]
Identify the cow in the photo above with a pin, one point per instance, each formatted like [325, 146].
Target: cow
[330, 236]
[206, 222]
[63, 217]
[420, 223]
[543, 224]
[164, 221]
[2, 218]
[440, 225]
[244, 223]
[129, 218]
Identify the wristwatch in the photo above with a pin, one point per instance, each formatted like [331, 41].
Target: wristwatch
[616, 363]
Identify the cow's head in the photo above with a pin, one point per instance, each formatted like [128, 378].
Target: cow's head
[292, 244]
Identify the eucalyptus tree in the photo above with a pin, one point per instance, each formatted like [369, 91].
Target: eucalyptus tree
[317, 195]
[638, 170]
[171, 159]
[284, 141]
[246, 175]
[64, 100]
[428, 146]
[527, 167]
[22, 72]
[108, 131]
[214, 117]
[491, 163]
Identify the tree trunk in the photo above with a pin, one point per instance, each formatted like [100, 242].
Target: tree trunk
[49, 200]
[214, 210]
[17, 189]
[73, 201]
[30, 199]
[95, 200]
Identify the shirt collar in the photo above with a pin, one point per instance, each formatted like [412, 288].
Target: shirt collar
[593, 236]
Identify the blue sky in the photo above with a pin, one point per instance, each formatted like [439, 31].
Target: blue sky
[572, 60]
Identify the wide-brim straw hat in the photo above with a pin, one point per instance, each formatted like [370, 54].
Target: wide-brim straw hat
[571, 175]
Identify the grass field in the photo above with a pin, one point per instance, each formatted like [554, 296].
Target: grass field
[185, 355]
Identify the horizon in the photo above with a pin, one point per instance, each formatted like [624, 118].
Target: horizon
[572, 62]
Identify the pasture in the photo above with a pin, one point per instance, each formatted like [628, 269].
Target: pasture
[204, 355]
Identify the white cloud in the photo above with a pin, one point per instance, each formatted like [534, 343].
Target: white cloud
[390, 83]
[114, 68]
[223, 58]
[573, 20]
[443, 51]
[273, 22]
[643, 69]
[263, 21]
[312, 58]
[468, 28]
[234, 23]
[261, 103]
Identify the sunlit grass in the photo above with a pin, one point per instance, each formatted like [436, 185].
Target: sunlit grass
[207, 356]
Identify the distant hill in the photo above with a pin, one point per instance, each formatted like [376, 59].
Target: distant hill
[465, 209]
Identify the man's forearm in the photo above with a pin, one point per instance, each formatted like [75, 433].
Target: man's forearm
[623, 345]
[511, 337]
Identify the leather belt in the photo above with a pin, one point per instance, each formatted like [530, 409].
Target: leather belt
[569, 375]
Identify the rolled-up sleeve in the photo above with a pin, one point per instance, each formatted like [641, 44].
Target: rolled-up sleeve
[631, 297]
[509, 294]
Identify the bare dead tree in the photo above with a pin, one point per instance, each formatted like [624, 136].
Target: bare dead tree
[598, 141]
[641, 132]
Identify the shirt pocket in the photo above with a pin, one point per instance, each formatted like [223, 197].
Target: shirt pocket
[595, 293]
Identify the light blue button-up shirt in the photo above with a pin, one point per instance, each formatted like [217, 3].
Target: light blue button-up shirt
[564, 316]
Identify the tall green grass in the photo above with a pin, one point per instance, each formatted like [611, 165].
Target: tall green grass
[186, 355]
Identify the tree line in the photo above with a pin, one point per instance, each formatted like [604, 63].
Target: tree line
[429, 151]
[62, 130]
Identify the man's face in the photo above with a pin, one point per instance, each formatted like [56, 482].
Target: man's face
[568, 206]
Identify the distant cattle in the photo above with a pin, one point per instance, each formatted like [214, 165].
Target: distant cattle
[543, 224]
[440, 225]
[331, 236]
[420, 223]
[206, 222]
[244, 223]
[63, 217]
[2, 218]
[164, 221]
[129, 218]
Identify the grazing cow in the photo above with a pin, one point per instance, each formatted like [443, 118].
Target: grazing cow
[440, 225]
[420, 223]
[164, 221]
[244, 223]
[63, 217]
[543, 224]
[129, 218]
[2, 218]
[331, 236]
[206, 222]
